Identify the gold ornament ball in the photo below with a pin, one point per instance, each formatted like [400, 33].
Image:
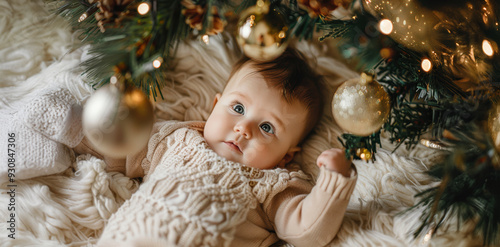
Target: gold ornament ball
[118, 122]
[494, 125]
[262, 32]
[361, 106]
[411, 22]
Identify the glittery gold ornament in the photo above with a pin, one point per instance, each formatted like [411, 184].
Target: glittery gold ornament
[411, 22]
[494, 125]
[494, 131]
[262, 32]
[361, 106]
[118, 121]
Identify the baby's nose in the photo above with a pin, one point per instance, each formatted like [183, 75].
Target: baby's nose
[243, 128]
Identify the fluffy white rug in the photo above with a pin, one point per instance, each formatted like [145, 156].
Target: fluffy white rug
[71, 208]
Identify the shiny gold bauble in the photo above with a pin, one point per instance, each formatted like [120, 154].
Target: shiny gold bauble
[117, 121]
[361, 106]
[411, 21]
[494, 125]
[494, 131]
[262, 32]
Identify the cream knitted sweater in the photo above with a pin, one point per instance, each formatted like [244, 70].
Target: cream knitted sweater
[193, 197]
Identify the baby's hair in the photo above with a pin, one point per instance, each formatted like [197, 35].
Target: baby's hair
[291, 74]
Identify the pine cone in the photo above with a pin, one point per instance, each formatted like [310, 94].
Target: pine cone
[196, 13]
[323, 7]
[110, 11]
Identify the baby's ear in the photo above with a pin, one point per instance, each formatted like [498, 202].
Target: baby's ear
[288, 156]
[216, 99]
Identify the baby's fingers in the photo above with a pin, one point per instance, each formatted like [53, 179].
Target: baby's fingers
[330, 156]
[334, 160]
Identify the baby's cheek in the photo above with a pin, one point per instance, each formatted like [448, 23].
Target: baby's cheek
[262, 156]
[255, 154]
[251, 155]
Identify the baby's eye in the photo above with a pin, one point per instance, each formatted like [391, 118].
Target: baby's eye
[238, 108]
[267, 128]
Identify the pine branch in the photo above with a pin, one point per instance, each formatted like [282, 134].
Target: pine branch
[355, 43]
[469, 189]
[408, 122]
[355, 145]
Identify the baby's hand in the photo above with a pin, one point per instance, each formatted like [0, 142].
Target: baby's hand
[334, 160]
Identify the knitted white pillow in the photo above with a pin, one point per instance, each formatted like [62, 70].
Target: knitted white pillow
[37, 139]
[57, 115]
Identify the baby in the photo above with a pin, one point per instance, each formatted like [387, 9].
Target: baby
[223, 182]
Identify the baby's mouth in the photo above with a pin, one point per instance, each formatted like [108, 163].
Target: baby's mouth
[234, 146]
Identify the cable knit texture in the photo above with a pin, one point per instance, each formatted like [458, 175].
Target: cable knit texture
[193, 197]
[43, 130]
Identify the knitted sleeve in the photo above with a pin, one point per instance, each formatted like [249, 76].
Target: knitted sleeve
[311, 219]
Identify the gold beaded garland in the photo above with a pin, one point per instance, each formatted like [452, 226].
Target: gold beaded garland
[364, 154]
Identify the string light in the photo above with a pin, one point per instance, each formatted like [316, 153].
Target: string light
[143, 8]
[426, 65]
[92, 9]
[113, 80]
[157, 62]
[386, 53]
[82, 17]
[487, 48]
[385, 26]
[281, 34]
[205, 39]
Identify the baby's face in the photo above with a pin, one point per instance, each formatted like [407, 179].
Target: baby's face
[252, 123]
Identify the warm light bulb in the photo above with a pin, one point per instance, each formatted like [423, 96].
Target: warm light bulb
[113, 80]
[157, 62]
[385, 26]
[487, 48]
[281, 34]
[205, 39]
[82, 17]
[143, 8]
[426, 65]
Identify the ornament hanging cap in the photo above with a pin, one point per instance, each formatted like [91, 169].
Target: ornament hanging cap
[366, 78]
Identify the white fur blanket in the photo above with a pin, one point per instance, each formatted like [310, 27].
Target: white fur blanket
[71, 208]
